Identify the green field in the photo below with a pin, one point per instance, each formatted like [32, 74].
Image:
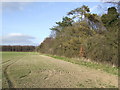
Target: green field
[8, 58]
[33, 70]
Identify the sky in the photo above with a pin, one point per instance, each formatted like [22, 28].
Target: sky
[29, 23]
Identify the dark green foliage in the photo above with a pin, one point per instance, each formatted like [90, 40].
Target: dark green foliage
[45, 47]
[111, 18]
[94, 36]
[79, 12]
[18, 48]
[66, 22]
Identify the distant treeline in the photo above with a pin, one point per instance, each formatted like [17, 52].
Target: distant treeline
[18, 48]
[87, 35]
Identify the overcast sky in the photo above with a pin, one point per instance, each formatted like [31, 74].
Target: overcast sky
[28, 23]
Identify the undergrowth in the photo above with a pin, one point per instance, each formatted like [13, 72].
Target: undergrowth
[99, 66]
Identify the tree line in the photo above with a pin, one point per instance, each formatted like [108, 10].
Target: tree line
[84, 34]
[17, 48]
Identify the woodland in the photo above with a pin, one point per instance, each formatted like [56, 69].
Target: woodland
[85, 34]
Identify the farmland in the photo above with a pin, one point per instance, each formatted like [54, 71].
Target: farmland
[33, 70]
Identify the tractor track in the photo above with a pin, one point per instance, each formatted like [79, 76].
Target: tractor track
[10, 83]
[39, 71]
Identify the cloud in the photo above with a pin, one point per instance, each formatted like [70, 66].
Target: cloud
[110, 0]
[51, 0]
[99, 9]
[96, 8]
[17, 39]
[93, 8]
[12, 6]
[19, 0]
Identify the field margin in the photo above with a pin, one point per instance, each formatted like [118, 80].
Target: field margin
[90, 64]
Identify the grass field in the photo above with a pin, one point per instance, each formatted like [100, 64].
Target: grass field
[33, 70]
[9, 58]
